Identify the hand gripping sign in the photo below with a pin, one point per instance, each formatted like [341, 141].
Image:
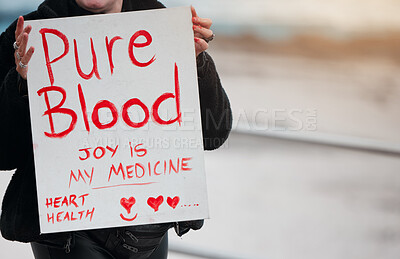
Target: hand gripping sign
[116, 120]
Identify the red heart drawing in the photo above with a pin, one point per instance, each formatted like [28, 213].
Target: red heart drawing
[173, 202]
[155, 202]
[128, 203]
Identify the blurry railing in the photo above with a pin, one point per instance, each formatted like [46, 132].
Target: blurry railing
[345, 141]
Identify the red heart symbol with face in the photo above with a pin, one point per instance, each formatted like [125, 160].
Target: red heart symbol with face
[128, 203]
[155, 202]
[173, 202]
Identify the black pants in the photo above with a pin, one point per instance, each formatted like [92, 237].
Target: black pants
[116, 245]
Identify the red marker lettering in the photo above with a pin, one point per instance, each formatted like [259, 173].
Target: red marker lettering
[82, 101]
[102, 152]
[162, 98]
[127, 119]
[109, 46]
[95, 70]
[83, 198]
[155, 168]
[46, 50]
[72, 199]
[57, 109]
[112, 150]
[136, 170]
[116, 172]
[140, 152]
[184, 164]
[50, 218]
[129, 171]
[72, 175]
[132, 44]
[86, 152]
[95, 114]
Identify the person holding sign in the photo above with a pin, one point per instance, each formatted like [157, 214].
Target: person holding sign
[19, 218]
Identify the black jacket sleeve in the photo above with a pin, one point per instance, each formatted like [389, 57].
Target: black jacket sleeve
[216, 114]
[14, 111]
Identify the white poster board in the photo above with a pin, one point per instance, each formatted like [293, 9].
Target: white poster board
[116, 120]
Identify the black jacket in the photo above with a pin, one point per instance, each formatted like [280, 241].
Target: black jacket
[19, 219]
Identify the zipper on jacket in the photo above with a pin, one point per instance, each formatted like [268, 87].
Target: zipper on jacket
[67, 246]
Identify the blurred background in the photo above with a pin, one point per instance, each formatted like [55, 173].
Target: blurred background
[312, 167]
